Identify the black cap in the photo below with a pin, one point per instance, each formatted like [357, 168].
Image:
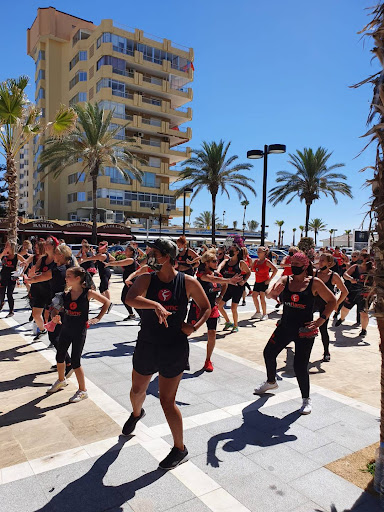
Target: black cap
[165, 246]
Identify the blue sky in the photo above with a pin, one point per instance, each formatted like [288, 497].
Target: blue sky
[265, 73]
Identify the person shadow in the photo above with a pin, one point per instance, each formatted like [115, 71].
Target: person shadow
[28, 411]
[24, 381]
[122, 349]
[257, 429]
[91, 493]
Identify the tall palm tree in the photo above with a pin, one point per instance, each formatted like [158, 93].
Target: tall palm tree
[189, 217]
[317, 225]
[282, 237]
[91, 143]
[374, 29]
[301, 231]
[19, 122]
[312, 178]
[331, 231]
[348, 233]
[293, 237]
[244, 203]
[211, 168]
[204, 220]
[253, 225]
[280, 224]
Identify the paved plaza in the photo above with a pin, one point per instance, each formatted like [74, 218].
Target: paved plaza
[247, 453]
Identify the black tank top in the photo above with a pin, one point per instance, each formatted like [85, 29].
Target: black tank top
[88, 264]
[182, 259]
[76, 311]
[319, 302]
[129, 269]
[57, 282]
[103, 270]
[298, 306]
[9, 266]
[173, 297]
[229, 271]
[44, 287]
[211, 289]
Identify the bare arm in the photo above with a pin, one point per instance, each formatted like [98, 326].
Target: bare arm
[120, 263]
[348, 274]
[142, 270]
[210, 278]
[325, 293]
[247, 272]
[46, 276]
[103, 300]
[195, 291]
[274, 271]
[338, 282]
[96, 257]
[276, 289]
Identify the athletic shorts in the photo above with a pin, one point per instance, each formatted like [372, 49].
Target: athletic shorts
[169, 360]
[39, 300]
[104, 282]
[357, 299]
[260, 287]
[233, 292]
[193, 317]
[212, 324]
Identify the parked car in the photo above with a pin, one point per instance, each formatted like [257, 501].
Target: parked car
[115, 248]
[280, 254]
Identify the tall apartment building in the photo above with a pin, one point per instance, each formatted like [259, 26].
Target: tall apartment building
[25, 180]
[142, 79]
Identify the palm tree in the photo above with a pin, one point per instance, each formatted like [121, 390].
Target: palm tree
[204, 220]
[374, 29]
[244, 203]
[312, 178]
[253, 225]
[331, 231]
[19, 122]
[293, 237]
[317, 225]
[348, 233]
[282, 237]
[189, 217]
[210, 168]
[280, 224]
[301, 231]
[93, 144]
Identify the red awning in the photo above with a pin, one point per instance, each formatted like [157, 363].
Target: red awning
[82, 233]
[115, 235]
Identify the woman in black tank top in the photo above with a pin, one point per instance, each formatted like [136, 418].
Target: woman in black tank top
[129, 265]
[185, 257]
[9, 260]
[331, 280]
[162, 344]
[298, 293]
[101, 259]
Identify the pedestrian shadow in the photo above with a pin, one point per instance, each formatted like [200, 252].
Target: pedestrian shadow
[24, 381]
[90, 492]
[13, 354]
[248, 322]
[122, 349]
[287, 371]
[153, 387]
[258, 429]
[346, 341]
[29, 411]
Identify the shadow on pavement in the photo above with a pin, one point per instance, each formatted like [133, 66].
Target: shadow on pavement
[28, 411]
[24, 381]
[121, 350]
[91, 494]
[258, 429]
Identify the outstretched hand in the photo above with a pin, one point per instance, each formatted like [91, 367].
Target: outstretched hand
[162, 314]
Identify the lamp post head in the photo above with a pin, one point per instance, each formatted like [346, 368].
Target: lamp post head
[188, 189]
[255, 154]
[277, 148]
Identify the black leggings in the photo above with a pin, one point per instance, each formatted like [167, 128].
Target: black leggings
[53, 337]
[325, 336]
[280, 338]
[8, 288]
[77, 340]
[123, 295]
[247, 286]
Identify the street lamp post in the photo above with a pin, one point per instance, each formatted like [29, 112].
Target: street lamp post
[258, 153]
[243, 229]
[223, 217]
[334, 234]
[187, 189]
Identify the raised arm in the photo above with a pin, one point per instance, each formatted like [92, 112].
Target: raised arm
[120, 263]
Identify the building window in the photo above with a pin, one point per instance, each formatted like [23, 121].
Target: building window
[119, 66]
[40, 94]
[80, 35]
[40, 76]
[80, 96]
[154, 162]
[81, 196]
[82, 55]
[118, 88]
[81, 76]
[116, 176]
[150, 180]
[40, 56]
[89, 195]
[75, 178]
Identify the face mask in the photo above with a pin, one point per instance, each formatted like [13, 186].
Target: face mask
[324, 268]
[181, 249]
[296, 271]
[290, 253]
[153, 264]
[231, 253]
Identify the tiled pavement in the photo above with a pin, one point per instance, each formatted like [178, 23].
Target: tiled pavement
[246, 453]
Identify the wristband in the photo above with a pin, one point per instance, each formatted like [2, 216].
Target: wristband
[194, 328]
[323, 317]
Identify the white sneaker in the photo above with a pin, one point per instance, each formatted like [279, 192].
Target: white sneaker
[264, 317]
[78, 396]
[306, 408]
[257, 315]
[264, 387]
[56, 386]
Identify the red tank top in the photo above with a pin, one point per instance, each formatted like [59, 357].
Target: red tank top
[287, 270]
[261, 271]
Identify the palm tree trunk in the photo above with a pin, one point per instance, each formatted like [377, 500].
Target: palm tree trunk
[316, 238]
[213, 218]
[308, 207]
[279, 241]
[94, 206]
[293, 240]
[348, 239]
[12, 208]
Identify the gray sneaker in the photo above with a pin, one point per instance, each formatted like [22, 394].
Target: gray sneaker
[78, 396]
[264, 387]
[56, 386]
[306, 408]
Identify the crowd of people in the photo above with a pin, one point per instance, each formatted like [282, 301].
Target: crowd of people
[175, 290]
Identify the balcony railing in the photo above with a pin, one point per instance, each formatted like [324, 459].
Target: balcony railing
[129, 74]
[121, 94]
[123, 116]
[152, 122]
[151, 101]
[155, 143]
[126, 51]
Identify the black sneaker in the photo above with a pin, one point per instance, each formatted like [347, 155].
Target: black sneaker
[174, 458]
[40, 334]
[326, 358]
[338, 322]
[363, 332]
[30, 318]
[335, 315]
[130, 424]
[109, 308]
[68, 371]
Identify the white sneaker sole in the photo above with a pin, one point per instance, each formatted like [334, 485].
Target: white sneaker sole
[50, 392]
[259, 392]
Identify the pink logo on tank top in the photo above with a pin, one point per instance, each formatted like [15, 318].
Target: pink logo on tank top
[164, 295]
[295, 298]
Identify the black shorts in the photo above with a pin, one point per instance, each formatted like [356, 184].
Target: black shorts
[168, 359]
[104, 281]
[357, 299]
[39, 300]
[212, 324]
[193, 317]
[233, 292]
[260, 287]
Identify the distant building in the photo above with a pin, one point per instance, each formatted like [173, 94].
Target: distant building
[142, 79]
[25, 180]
